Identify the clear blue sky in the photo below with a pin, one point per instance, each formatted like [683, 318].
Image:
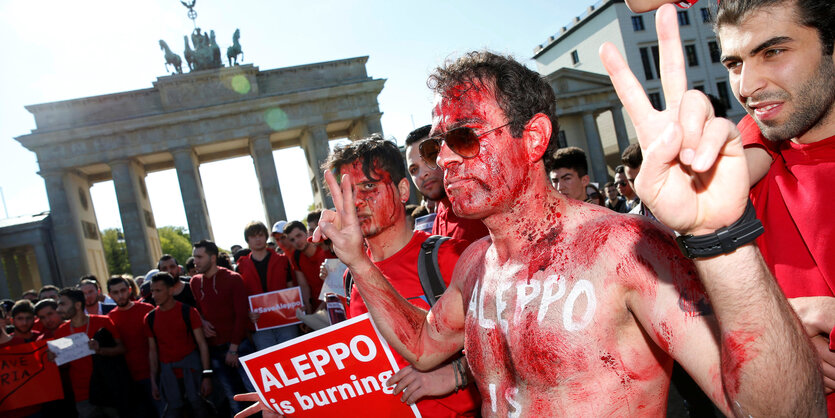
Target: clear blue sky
[57, 50]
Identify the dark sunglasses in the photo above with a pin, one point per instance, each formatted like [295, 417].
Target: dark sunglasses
[462, 141]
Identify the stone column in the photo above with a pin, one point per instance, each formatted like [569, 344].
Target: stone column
[137, 219]
[620, 127]
[373, 124]
[68, 238]
[4, 283]
[12, 275]
[315, 145]
[261, 151]
[28, 274]
[191, 190]
[597, 170]
[44, 265]
[365, 126]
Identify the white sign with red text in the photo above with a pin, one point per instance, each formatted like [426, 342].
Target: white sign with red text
[340, 370]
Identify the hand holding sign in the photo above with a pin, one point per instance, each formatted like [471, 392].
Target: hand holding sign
[70, 348]
[342, 369]
[694, 176]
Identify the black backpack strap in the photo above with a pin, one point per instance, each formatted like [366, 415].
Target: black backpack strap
[428, 270]
[151, 322]
[297, 255]
[186, 310]
[348, 284]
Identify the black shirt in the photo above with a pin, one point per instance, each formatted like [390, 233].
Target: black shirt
[261, 268]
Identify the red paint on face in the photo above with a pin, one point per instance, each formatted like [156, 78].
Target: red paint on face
[735, 352]
[486, 184]
[376, 199]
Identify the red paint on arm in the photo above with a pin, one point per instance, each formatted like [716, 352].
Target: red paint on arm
[735, 352]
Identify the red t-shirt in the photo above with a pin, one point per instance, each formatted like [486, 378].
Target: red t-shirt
[448, 224]
[793, 202]
[20, 340]
[401, 271]
[174, 342]
[81, 370]
[129, 323]
[310, 266]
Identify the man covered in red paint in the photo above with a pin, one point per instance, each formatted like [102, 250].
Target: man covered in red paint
[377, 174]
[568, 309]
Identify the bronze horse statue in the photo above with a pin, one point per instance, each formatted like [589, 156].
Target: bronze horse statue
[233, 51]
[171, 58]
[191, 59]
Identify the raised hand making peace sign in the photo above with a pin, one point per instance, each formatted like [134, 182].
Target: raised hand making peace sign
[694, 175]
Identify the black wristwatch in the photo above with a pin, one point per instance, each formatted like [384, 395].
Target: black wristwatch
[724, 240]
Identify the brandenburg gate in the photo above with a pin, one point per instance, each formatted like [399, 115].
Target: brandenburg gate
[182, 121]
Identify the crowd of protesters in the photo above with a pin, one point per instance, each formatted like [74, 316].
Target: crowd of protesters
[168, 343]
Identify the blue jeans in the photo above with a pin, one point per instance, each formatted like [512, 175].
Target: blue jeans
[230, 380]
[270, 337]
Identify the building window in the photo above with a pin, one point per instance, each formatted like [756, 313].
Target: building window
[647, 65]
[690, 53]
[638, 23]
[715, 53]
[699, 87]
[683, 18]
[575, 57]
[722, 89]
[655, 99]
[707, 17]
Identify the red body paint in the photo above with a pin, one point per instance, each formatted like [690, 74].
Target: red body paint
[548, 325]
[735, 353]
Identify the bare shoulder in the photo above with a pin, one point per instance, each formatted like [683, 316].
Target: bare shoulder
[471, 262]
[616, 233]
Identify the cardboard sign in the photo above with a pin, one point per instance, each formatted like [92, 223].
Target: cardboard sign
[277, 309]
[27, 377]
[337, 371]
[70, 348]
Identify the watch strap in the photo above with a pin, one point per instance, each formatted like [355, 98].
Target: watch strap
[725, 240]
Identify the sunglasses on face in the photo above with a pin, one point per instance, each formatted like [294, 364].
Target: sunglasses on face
[462, 141]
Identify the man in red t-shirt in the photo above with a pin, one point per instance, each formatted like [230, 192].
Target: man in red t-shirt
[23, 318]
[430, 182]
[128, 318]
[264, 270]
[221, 300]
[382, 192]
[307, 261]
[71, 307]
[47, 313]
[172, 347]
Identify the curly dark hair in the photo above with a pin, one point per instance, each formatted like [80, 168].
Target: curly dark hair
[817, 14]
[520, 92]
[373, 152]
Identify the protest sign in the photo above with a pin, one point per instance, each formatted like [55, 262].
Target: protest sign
[27, 377]
[277, 308]
[337, 371]
[70, 348]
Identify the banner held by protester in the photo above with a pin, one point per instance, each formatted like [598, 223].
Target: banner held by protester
[339, 370]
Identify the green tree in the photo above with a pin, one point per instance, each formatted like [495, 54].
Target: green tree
[176, 241]
[115, 251]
